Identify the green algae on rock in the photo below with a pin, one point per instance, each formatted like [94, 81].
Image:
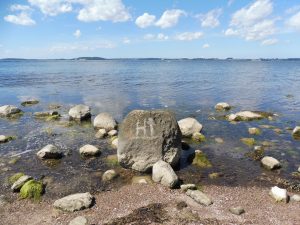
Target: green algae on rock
[201, 160]
[32, 189]
[248, 141]
[12, 179]
[257, 154]
[198, 137]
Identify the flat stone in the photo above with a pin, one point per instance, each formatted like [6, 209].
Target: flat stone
[105, 121]
[113, 133]
[109, 175]
[101, 133]
[9, 110]
[163, 173]
[245, 116]
[279, 194]
[186, 187]
[74, 202]
[237, 210]
[222, 106]
[49, 152]
[270, 163]
[189, 126]
[80, 112]
[219, 140]
[20, 182]
[199, 197]
[79, 220]
[89, 150]
[295, 198]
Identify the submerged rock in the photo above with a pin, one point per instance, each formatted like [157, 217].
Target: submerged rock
[46, 114]
[279, 194]
[9, 110]
[201, 160]
[20, 182]
[74, 202]
[148, 136]
[32, 189]
[197, 136]
[254, 131]
[79, 220]
[89, 150]
[219, 140]
[248, 141]
[189, 126]
[109, 175]
[237, 210]
[163, 173]
[4, 139]
[199, 197]
[270, 163]
[80, 112]
[49, 152]
[257, 154]
[101, 133]
[248, 116]
[30, 102]
[105, 121]
[296, 132]
[222, 106]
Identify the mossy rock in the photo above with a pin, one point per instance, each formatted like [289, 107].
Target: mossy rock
[248, 141]
[201, 160]
[14, 178]
[112, 160]
[257, 154]
[198, 137]
[32, 189]
[29, 103]
[254, 131]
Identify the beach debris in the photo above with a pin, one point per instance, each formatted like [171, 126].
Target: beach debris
[163, 173]
[296, 132]
[199, 197]
[79, 220]
[30, 102]
[20, 182]
[189, 126]
[270, 163]
[147, 136]
[197, 136]
[279, 194]
[101, 133]
[89, 150]
[295, 198]
[254, 131]
[49, 152]
[109, 175]
[222, 106]
[248, 116]
[201, 160]
[32, 189]
[237, 210]
[80, 112]
[112, 133]
[186, 187]
[9, 110]
[74, 202]
[105, 121]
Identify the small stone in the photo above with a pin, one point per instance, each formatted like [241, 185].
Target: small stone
[279, 194]
[113, 133]
[254, 131]
[80, 112]
[295, 198]
[9, 110]
[101, 133]
[189, 126]
[74, 202]
[114, 143]
[270, 163]
[222, 106]
[109, 175]
[180, 205]
[215, 175]
[49, 152]
[299, 169]
[89, 150]
[163, 173]
[105, 121]
[4, 139]
[20, 182]
[199, 197]
[248, 141]
[46, 114]
[79, 220]
[246, 116]
[219, 140]
[237, 210]
[186, 187]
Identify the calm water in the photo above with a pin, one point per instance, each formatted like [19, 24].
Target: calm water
[187, 87]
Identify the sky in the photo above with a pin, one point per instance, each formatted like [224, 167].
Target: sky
[149, 28]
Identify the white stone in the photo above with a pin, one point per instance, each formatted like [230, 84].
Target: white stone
[89, 150]
[4, 138]
[74, 202]
[112, 133]
[163, 173]
[101, 133]
[79, 220]
[80, 112]
[20, 182]
[8, 110]
[244, 116]
[114, 143]
[295, 198]
[188, 126]
[296, 131]
[270, 163]
[49, 152]
[109, 175]
[106, 121]
[279, 194]
[199, 197]
[222, 106]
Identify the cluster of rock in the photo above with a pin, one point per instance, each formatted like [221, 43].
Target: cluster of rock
[9, 110]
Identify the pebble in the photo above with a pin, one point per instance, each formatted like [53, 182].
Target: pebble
[295, 198]
[109, 175]
[79, 220]
[237, 210]
[186, 187]
[199, 197]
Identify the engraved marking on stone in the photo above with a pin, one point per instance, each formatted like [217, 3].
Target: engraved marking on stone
[143, 129]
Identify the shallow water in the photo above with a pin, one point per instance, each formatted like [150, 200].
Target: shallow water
[187, 87]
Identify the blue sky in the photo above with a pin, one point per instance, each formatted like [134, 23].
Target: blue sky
[144, 28]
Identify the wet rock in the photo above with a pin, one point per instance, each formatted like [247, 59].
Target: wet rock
[189, 126]
[101, 133]
[105, 121]
[245, 116]
[185, 146]
[20, 182]
[54, 106]
[270, 163]
[197, 136]
[279, 194]
[237, 210]
[74, 202]
[4, 139]
[199, 197]
[186, 187]
[254, 131]
[222, 106]
[219, 140]
[113, 133]
[295, 198]
[79, 220]
[49, 152]
[201, 160]
[109, 175]
[30, 102]
[32, 189]
[296, 132]
[163, 173]
[89, 150]
[46, 114]
[80, 112]
[248, 141]
[257, 154]
[142, 180]
[9, 110]
[277, 130]
[148, 136]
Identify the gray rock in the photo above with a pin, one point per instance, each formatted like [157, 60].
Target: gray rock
[113, 133]
[222, 106]
[80, 112]
[142, 180]
[89, 150]
[49, 152]
[105, 121]
[163, 173]
[186, 187]
[101, 133]
[296, 131]
[79, 220]
[279, 194]
[237, 210]
[8, 110]
[189, 126]
[270, 163]
[148, 136]
[109, 175]
[74, 202]
[295, 198]
[199, 197]
[20, 182]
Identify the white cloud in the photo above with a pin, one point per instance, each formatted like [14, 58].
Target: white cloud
[77, 33]
[52, 7]
[170, 18]
[268, 42]
[252, 22]
[22, 18]
[104, 10]
[189, 36]
[161, 36]
[126, 41]
[294, 21]
[205, 46]
[145, 20]
[210, 19]
[17, 7]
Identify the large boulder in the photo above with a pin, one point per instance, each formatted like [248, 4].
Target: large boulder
[9, 110]
[189, 126]
[80, 112]
[74, 202]
[145, 137]
[105, 121]
[163, 173]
